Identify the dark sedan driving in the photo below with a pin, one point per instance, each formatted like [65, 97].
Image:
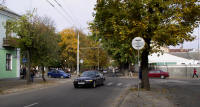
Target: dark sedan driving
[89, 78]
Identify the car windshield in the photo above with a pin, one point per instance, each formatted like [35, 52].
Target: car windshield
[88, 74]
[61, 71]
[163, 71]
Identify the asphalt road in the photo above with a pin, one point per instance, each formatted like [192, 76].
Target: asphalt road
[182, 93]
[65, 95]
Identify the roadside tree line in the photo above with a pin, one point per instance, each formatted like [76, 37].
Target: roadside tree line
[159, 22]
[42, 46]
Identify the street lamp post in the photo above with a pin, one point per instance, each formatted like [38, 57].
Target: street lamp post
[78, 46]
[81, 63]
[78, 55]
[98, 54]
[98, 58]
[198, 44]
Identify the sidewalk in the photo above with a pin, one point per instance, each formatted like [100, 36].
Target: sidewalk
[14, 85]
[155, 98]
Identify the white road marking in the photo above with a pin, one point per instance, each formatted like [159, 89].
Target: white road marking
[175, 81]
[119, 84]
[109, 84]
[31, 105]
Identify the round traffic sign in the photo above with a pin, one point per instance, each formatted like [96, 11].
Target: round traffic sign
[81, 61]
[138, 43]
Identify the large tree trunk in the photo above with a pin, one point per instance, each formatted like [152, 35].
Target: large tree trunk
[124, 67]
[28, 80]
[144, 66]
[43, 78]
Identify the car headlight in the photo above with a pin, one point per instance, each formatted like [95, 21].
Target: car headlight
[88, 80]
[75, 80]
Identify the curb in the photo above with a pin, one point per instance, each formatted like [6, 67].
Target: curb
[122, 97]
[33, 86]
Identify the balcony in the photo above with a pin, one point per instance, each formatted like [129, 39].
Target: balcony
[7, 43]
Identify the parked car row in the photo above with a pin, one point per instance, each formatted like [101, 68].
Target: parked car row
[96, 74]
[94, 78]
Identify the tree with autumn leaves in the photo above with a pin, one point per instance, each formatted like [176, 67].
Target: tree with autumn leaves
[88, 50]
[93, 54]
[36, 39]
[42, 46]
[68, 46]
[158, 22]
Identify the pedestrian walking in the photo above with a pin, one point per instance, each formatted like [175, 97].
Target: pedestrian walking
[32, 75]
[113, 72]
[24, 73]
[195, 73]
[130, 73]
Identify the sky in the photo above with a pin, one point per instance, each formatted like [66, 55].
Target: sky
[77, 13]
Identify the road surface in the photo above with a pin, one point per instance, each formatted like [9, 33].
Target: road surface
[183, 93]
[65, 95]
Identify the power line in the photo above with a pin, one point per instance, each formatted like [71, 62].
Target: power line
[77, 35]
[65, 13]
[72, 14]
[52, 5]
[59, 12]
[58, 3]
[63, 9]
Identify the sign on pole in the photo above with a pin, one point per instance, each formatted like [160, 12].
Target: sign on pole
[24, 60]
[81, 61]
[138, 43]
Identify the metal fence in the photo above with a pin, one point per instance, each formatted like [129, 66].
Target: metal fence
[179, 71]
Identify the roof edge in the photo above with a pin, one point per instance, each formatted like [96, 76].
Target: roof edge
[4, 8]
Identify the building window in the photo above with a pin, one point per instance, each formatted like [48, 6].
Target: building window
[8, 62]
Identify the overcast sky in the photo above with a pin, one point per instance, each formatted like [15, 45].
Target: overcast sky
[76, 13]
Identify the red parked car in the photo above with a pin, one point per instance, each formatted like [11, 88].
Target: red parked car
[158, 73]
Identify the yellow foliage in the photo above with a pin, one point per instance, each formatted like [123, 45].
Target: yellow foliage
[88, 49]
[68, 45]
[68, 39]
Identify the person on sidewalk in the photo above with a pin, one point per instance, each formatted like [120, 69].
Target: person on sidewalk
[195, 73]
[113, 72]
[32, 75]
[130, 73]
[24, 73]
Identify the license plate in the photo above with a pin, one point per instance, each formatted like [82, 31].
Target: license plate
[81, 83]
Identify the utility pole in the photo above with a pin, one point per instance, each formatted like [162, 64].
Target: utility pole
[198, 46]
[98, 58]
[98, 54]
[78, 55]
